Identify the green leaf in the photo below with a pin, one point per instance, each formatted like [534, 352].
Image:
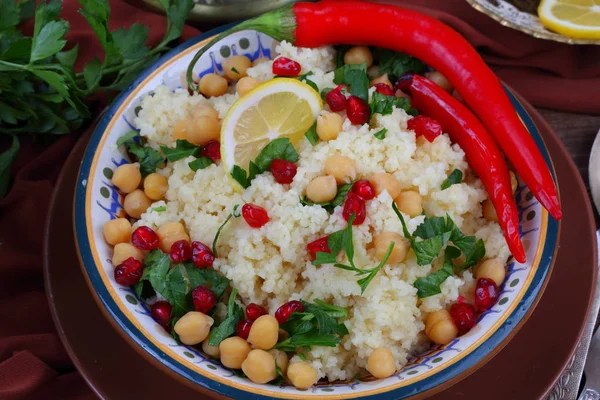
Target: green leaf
[177, 290]
[92, 73]
[324, 258]
[396, 64]
[384, 105]
[354, 76]
[311, 134]
[280, 148]
[342, 192]
[381, 134]
[239, 174]
[207, 277]
[308, 340]
[159, 209]
[336, 241]
[431, 227]
[364, 282]
[27, 9]
[49, 41]
[177, 12]
[9, 13]
[430, 284]
[19, 50]
[326, 316]
[455, 177]
[339, 55]
[68, 57]
[182, 149]
[235, 213]
[128, 138]
[429, 249]
[130, 42]
[227, 327]
[156, 268]
[148, 158]
[44, 13]
[200, 163]
[6, 159]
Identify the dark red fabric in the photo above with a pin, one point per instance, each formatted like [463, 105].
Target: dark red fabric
[33, 362]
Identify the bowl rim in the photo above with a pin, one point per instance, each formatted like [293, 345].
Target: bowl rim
[451, 373]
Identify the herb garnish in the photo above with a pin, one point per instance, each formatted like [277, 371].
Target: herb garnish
[354, 76]
[159, 209]
[396, 64]
[304, 78]
[233, 69]
[455, 177]
[381, 134]
[384, 105]
[235, 213]
[200, 163]
[227, 327]
[342, 192]
[311, 134]
[182, 149]
[148, 158]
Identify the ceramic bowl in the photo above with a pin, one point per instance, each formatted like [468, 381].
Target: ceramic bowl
[97, 201]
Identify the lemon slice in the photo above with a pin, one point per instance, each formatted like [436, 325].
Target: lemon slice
[578, 19]
[279, 108]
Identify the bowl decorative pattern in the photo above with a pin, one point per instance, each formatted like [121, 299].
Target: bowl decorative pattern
[97, 201]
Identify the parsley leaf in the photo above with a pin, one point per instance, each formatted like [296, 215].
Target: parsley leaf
[148, 158]
[182, 149]
[396, 64]
[342, 192]
[381, 134]
[354, 76]
[227, 327]
[200, 163]
[156, 268]
[207, 277]
[384, 105]
[455, 177]
[130, 137]
[6, 159]
[430, 284]
[235, 213]
[311, 134]
[159, 209]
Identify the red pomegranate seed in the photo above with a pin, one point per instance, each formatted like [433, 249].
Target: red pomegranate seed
[253, 311]
[283, 313]
[364, 189]
[204, 299]
[425, 126]
[283, 66]
[161, 312]
[357, 110]
[486, 294]
[254, 215]
[180, 251]
[212, 150]
[403, 83]
[144, 238]
[283, 171]
[129, 272]
[384, 89]
[464, 316]
[202, 255]
[243, 328]
[336, 99]
[319, 245]
[354, 204]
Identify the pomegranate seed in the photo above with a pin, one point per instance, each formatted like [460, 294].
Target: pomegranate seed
[253, 311]
[486, 294]
[384, 89]
[212, 150]
[254, 215]
[283, 66]
[243, 328]
[283, 171]
[129, 272]
[336, 99]
[202, 256]
[180, 251]
[403, 83]
[204, 299]
[364, 189]
[316, 246]
[161, 312]
[464, 316]
[425, 126]
[357, 110]
[144, 238]
[354, 205]
[283, 313]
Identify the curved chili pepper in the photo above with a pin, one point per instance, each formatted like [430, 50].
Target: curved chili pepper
[483, 155]
[436, 44]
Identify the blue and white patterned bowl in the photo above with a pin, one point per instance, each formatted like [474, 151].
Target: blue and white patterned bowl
[97, 201]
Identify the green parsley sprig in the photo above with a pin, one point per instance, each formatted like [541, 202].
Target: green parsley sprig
[235, 213]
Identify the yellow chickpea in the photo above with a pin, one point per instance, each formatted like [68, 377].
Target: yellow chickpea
[322, 188]
[179, 130]
[117, 231]
[202, 129]
[245, 85]
[359, 55]
[409, 203]
[281, 360]
[170, 233]
[489, 212]
[492, 269]
[123, 251]
[234, 351]
[155, 186]
[235, 67]
[213, 85]
[381, 363]
[205, 110]
[443, 332]
[193, 327]
[342, 168]
[127, 177]
[439, 80]
[136, 203]
[384, 181]
[259, 366]
[212, 351]
[329, 125]
[302, 375]
[513, 182]
[381, 79]
[435, 317]
[260, 60]
[264, 332]
[400, 250]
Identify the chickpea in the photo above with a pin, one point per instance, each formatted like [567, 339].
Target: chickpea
[329, 125]
[492, 269]
[381, 79]
[381, 363]
[245, 85]
[384, 181]
[202, 129]
[193, 327]
[342, 168]
[359, 55]
[489, 212]
[400, 250]
[513, 182]
[409, 203]
[236, 63]
[234, 351]
[123, 251]
[259, 366]
[322, 188]
[439, 80]
[127, 177]
[435, 317]
[212, 351]
[302, 374]
[117, 231]
[443, 332]
[281, 360]
[213, 85]
[179, 130]
[155, 186]
[205, 110]
[264, 332]
[170, 233]
[136, 203]
[260, 60]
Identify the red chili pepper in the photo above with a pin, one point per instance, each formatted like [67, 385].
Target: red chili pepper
[436, 44]
[483, 155]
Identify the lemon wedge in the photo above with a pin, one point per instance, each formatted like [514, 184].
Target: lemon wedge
[279, 108]
[578, 19]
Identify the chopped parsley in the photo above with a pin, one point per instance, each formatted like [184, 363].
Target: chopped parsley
[159, 209]
[396, 64]
[233, 214]
[311, 134]
[304, 78]
[455, 177]
[227, 328]
[182, 149]
[384, 105]
[354, 76]
[342, 192]
[200, 163]
[381, 134]
[148, 157]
